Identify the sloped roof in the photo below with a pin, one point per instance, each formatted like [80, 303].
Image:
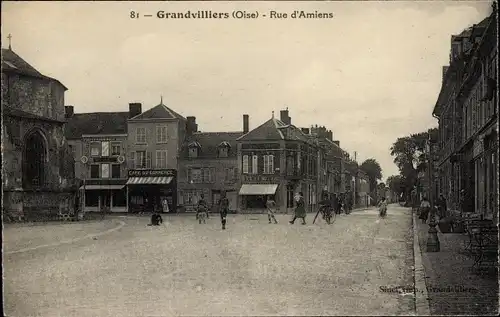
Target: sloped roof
[209, 142]
[9, 111]
[266, 131]
[96, 123]
[11, 62]
[159, 112]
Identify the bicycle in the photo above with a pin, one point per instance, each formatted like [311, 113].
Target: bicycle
[327, 214]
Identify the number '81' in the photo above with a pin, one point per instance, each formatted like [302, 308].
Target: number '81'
[134, 15]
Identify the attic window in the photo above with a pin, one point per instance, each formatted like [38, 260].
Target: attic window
[193, 151]
[223, 151]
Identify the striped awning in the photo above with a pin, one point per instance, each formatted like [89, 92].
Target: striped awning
[258, 189]
[160, 180]
[102, 187]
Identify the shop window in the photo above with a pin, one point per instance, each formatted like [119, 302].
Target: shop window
[92, 198]
[119, 198]
[115, 171]
[94, 171]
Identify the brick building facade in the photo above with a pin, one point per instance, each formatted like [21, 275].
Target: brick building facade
[38, 177]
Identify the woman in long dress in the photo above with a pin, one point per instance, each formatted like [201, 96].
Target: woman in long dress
[425, 207]
[300, 211]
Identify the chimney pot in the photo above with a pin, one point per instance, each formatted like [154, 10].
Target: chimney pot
[69, 111]
[285, 117]
[337, 142]
[134, 109]
[191, 125]
[246, 126]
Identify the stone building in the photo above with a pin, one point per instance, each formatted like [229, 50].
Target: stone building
[38, 177]
[154, 139]
[98, 142]
[277, 159]
[468, 121]
[208, 165]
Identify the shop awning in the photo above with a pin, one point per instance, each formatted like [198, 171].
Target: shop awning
[258, 189]
[102, 187]
[149, 180]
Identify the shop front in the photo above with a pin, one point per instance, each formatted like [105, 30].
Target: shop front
[147, 189]
[254, 191]
[104, 195]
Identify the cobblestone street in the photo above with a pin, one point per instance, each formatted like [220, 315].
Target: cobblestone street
[252, 268]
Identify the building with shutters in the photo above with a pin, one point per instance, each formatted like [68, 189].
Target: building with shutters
[37, 174]
[154, 139]
[468, 121]
[208, 166]
[277, 160]
[99, 143]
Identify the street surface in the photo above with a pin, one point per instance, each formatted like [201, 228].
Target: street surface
[183, 268]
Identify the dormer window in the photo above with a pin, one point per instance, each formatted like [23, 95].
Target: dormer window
[193, 149]
[223, 149]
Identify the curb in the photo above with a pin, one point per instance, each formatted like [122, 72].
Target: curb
[120, 225]
[421, 296]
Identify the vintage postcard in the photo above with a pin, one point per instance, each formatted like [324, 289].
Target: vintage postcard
[250, 158]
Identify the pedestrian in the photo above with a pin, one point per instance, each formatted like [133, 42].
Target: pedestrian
[270, 206]
[425, 208]
[223, 209]
[300, 211]
[382, 205]
[335, 203]
[165, 205]
[202, 210]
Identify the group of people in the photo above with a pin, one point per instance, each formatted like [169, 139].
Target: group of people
[426, 212]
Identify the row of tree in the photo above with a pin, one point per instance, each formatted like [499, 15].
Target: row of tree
[411, 158]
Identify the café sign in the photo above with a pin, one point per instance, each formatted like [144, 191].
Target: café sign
[151, 173]
[261, 178]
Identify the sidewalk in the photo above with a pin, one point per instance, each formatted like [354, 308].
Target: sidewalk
[450, 268]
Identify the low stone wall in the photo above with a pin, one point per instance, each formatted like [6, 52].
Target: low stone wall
[37, 206]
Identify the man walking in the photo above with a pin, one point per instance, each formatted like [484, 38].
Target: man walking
[223, 208]
[270, 205]
[300, 211]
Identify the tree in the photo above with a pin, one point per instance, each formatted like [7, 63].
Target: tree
[372, 168]
[411, 158]
[396, 184]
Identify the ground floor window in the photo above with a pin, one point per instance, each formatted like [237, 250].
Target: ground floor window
[256, 201]
[119, 198]
[191, 197]
[92, 198]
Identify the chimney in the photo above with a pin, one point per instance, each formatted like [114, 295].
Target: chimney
[285, 117]
[337, 142]
[69, 111]
[191, 125]
[245, 123]
[134, 109]
[330, 135]
[305, 130]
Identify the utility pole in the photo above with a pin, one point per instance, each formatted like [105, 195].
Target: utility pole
[355, 179]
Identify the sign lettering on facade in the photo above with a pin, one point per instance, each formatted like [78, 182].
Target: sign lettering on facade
[261, 178]
[104, 160]
[150, 173]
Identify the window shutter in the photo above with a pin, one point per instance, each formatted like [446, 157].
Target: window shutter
[132, 159]
[271, 164]
[212, 175]
[245, 164]
[148, 160]
[265, 157]
[255, 164]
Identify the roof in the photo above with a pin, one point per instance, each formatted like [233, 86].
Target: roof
[274, 129]
[209, 143]
[9, 111]
[159, 112]
[96, 123]
[13, 63]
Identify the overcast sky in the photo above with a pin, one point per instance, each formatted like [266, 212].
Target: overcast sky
[371, 74]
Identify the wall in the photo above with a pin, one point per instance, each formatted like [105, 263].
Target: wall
[172, 145]
[43, 97]
[220, 183]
